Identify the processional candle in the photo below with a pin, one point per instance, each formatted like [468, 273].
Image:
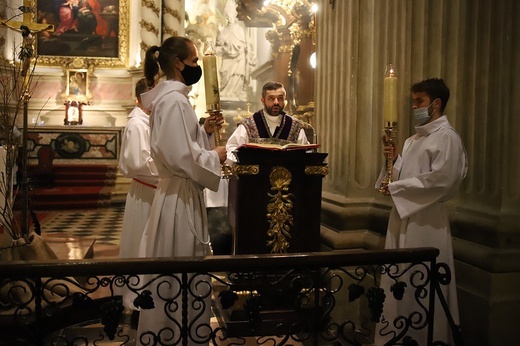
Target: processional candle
[390, 122]
[209, 62]
[390, 95]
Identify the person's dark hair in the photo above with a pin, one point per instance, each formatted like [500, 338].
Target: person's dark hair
[175, 46]
[271, 86]
[435, 89]
[140, 87]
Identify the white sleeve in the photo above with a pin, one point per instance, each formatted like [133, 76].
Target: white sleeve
[135, 157]
[237, 138]
[448, 167]
[302, 137]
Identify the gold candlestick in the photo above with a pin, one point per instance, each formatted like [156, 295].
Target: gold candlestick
[390, 123]
[390, 131]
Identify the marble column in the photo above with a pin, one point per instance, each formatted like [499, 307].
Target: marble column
[473, 46]
[150, 25]
[173, 18]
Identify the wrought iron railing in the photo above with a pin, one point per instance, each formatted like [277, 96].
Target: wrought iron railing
[329, 298]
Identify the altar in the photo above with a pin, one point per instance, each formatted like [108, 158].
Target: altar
[75, 144]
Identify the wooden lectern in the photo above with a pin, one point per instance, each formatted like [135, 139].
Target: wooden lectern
[275, 200]
[274, 207]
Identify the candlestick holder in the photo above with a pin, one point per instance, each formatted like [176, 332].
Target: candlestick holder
[226, 170]
[390, 131]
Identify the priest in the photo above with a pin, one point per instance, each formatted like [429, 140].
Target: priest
[270, 123]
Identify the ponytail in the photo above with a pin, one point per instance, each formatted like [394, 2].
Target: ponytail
[151, 67]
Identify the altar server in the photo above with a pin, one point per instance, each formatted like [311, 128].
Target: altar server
[136, 162]
[427, 174]
[177, 225]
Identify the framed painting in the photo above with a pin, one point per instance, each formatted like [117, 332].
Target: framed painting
[77, 84]
[93, 30]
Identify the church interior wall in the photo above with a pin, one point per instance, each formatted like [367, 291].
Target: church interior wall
[473, 46]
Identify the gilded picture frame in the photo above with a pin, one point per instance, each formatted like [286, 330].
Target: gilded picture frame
[91, 33]
[77, 85]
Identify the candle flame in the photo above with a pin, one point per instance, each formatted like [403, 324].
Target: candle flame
[391, 71]
[210, 48]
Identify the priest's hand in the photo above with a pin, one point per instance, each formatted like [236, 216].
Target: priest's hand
[213, 122]
[222, 153]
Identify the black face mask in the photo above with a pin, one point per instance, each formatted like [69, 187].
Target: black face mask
[191, 74]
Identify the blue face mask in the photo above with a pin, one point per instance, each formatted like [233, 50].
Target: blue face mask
[422, 115]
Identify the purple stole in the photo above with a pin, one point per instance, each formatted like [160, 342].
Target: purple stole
[256, 126]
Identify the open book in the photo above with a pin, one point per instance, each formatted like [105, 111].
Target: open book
[280, 147]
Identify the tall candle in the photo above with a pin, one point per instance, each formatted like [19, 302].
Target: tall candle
[209, 62]
[390, 95]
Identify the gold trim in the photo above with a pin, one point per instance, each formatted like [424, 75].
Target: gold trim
[279, 210]
[170, 32]
[92, 62]
[174, 13]
[151, 5]
[390, 124]
[317, 170]
[245, 169]
[149, 27]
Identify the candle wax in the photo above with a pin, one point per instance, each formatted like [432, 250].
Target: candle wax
[390, 99]
[209, 63]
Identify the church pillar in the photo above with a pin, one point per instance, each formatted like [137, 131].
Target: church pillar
[150, 25]
[472, 45]
[173, 18]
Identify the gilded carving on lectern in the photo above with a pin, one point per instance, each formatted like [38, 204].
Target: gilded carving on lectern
[279, 210]
[239, 169]
[317, 170]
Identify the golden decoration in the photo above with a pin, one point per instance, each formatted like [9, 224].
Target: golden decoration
[170, 32]
[149, 27]
[239, 169]
[151, 5]
[174, 13]
[279, 210]
[317, 170]
[144, 46]
[305, 113]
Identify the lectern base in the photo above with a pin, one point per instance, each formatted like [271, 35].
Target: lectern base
[266, 304]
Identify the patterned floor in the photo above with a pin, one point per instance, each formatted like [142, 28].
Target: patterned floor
[103, 225]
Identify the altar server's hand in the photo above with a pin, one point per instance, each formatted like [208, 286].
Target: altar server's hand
[213, 122]
[389, 148]
[222, 153]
